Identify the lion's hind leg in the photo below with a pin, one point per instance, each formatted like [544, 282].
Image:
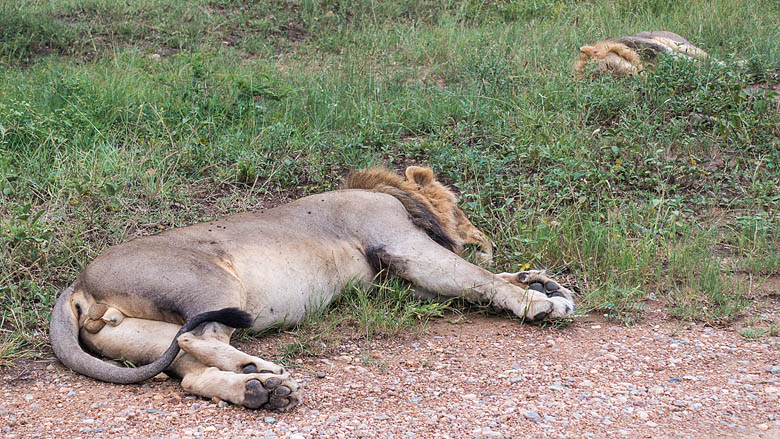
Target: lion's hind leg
[140, 341]
[264, 384]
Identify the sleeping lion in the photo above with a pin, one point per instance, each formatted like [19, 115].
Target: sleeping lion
[171, 301]
[632, 54]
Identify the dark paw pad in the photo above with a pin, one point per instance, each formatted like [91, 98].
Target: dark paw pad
[552, 286]
[249, 368]
[536, 286]
[273, 382]
[541, 316]
[556, 294]
[282, 391]
[255, 394]
[276, 402]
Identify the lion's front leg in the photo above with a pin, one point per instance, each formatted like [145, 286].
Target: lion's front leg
[437, 270]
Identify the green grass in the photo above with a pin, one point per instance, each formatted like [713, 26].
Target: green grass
[118, 119]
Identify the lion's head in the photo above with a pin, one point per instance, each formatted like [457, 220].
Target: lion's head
[432, 206]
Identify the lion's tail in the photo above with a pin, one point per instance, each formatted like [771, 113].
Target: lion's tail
[64, 333]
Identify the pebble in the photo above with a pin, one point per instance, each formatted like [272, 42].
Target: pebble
[557, 386]
[269, 420]
[488, 433]
[320, 374]
[775, 370]
[532, 416]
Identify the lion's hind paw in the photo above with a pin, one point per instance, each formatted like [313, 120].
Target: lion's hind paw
[271, 392]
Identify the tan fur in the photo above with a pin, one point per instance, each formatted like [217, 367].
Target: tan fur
[632, 54]
[270, 268]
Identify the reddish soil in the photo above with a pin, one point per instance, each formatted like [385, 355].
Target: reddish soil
[479, 377]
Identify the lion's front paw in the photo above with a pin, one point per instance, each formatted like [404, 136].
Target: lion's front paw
[271, 392]
[559, 300]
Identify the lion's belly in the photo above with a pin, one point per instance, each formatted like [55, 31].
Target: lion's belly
[284, 283]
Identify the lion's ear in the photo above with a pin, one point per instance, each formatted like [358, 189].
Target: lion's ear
[588, 50]
[420, 176]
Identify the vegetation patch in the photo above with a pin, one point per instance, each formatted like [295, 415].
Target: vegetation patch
[120, 119]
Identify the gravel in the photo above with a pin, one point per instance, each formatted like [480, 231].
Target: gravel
[479, 377]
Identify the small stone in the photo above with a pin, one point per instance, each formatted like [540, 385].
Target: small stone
[210, 429]
[587, 383]
[763, 427]
[532, 416]
[71, 393]
[320, 374]
[470, 396]
[606, 421]
[611, 357]
[775, 370]
[674, 380]
[557, 386]
[269, 420]
[28, 397]
[651, 424]
[222, 404]
[488, 433]
[679, 403]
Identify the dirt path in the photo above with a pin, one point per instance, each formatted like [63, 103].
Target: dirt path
[482, 377]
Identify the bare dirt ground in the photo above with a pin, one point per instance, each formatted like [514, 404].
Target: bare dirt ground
[477, 377]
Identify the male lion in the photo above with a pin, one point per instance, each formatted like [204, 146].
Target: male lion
[190, 287]
[630, 55]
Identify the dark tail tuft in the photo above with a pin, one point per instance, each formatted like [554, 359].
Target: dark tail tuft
[233, 317]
